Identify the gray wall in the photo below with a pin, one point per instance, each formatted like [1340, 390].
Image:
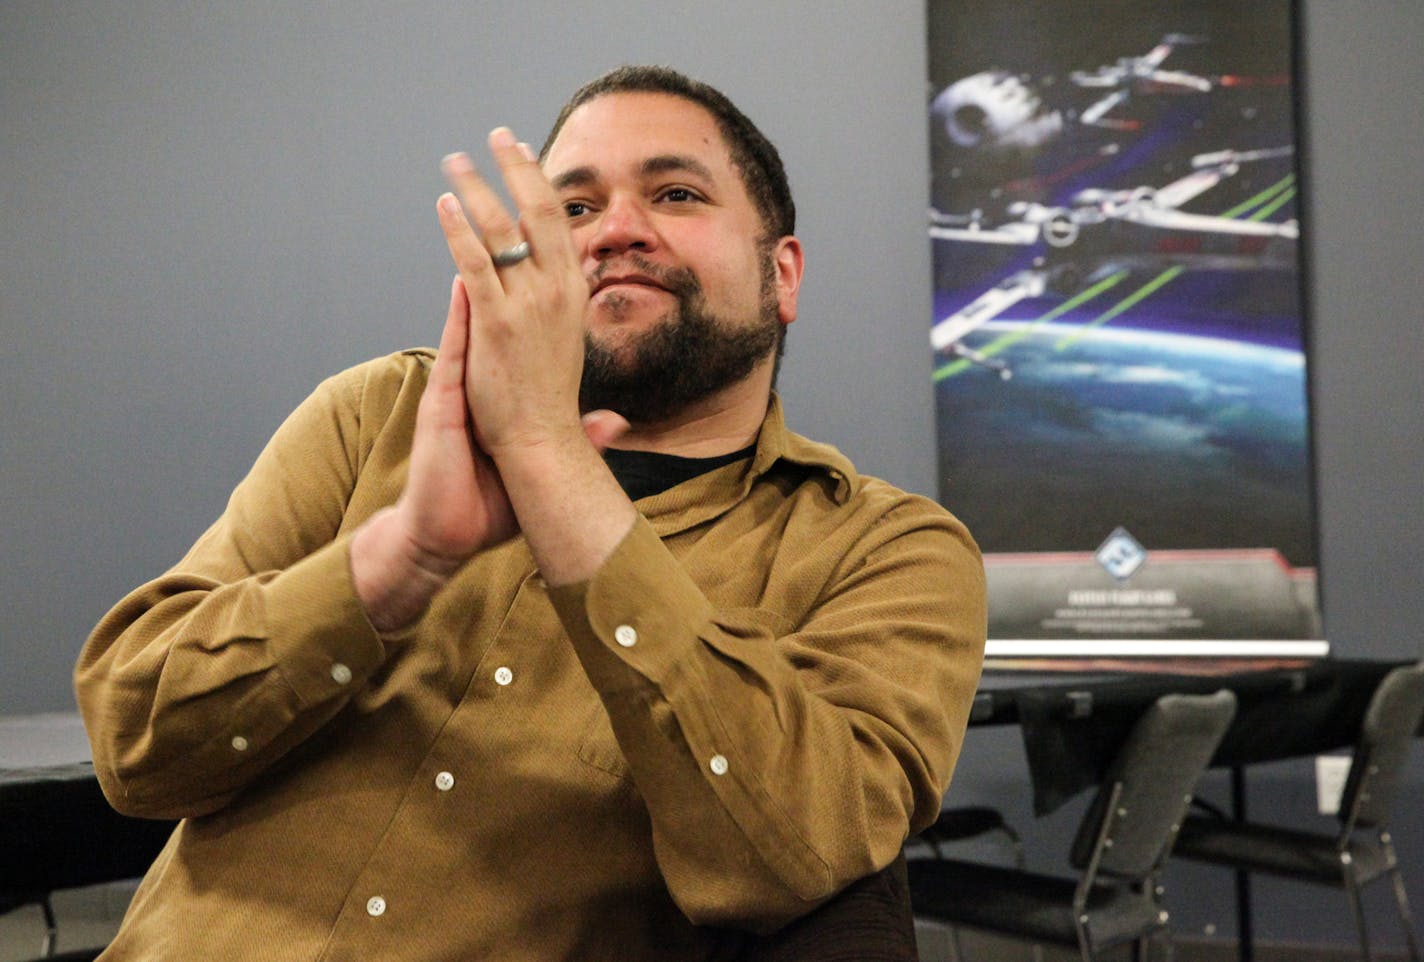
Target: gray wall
[207, 207]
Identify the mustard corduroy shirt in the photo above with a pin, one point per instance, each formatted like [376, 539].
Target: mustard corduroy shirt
[762, 691]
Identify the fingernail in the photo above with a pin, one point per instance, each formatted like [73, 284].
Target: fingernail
[456, 163]
[527, 151]
[501, 137]
[448, 203]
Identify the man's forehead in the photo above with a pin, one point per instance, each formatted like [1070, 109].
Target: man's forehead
[639, 130]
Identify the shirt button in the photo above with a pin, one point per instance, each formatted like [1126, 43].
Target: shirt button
[239, 744]
[340, 673]
[625, 635]
[718, 764]
[375, 906]
[444, 781]
[503, 675]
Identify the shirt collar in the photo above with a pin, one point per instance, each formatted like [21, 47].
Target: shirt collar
[776, 443]
[707, 496]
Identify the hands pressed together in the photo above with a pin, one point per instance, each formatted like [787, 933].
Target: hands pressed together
[499, 447]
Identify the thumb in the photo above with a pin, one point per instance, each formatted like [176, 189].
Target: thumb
[603, 427]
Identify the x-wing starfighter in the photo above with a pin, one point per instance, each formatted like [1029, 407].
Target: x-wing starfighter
[1137, 75]
[1102, 232]
[1000, 109]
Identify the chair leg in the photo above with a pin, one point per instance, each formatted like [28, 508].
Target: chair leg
[1357, 905]
[1085, 947]
[51, 928]
[1169, 951]
[955, 945]
[1406, 918]
[1142, 948]
[1021, 863]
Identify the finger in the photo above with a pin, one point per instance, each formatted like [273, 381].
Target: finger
[604, 427]
[499, 230]
[482, 284]
[541, 213]
[446, 385]
[450, 361]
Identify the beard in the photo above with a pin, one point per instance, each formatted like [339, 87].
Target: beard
[685, 357]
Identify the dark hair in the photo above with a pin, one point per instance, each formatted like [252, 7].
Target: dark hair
[754, 156]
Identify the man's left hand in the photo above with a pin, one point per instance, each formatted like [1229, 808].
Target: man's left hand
[524, 361]
[526, 344]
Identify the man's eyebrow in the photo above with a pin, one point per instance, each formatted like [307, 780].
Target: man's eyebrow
[660, 164]
[577, 177]
[665, 163]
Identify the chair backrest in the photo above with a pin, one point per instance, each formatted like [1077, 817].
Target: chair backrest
[869, 921]
[1157, 768]
[1382, 750]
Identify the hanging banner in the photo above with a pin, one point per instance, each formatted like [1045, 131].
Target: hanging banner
[1118, 332]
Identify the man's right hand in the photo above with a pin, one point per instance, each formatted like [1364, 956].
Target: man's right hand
[454, 504]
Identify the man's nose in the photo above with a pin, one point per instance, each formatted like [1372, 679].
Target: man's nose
[624, 225]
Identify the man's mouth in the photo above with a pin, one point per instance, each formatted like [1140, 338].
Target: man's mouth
[626, 281]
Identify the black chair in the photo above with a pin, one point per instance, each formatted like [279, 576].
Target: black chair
[57, 831]
[868, 921]
[969, 822]
[1362, 850]
[1121, 845]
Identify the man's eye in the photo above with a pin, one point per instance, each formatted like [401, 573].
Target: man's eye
[575, 208]
[678, 195]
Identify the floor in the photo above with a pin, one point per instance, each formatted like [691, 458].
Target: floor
[936, 946]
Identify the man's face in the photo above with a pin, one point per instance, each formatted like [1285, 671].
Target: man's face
[688, 295]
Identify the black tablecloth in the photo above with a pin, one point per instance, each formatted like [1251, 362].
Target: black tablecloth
[1072, 730]
[57, 831]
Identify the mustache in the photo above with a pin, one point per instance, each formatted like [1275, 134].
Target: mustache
[680, 281]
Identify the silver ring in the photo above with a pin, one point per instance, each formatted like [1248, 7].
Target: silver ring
[511, 255]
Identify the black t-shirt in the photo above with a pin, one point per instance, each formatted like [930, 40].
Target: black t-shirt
[645, 473]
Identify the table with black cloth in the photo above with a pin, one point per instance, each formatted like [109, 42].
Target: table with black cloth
[56, 830]
[1073, 726]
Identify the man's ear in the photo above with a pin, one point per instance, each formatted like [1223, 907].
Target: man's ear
[790, 262]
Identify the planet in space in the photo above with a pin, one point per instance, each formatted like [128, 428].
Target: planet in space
[1186, 441]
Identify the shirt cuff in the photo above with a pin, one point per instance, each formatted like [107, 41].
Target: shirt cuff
[321, 639]
[634, 620]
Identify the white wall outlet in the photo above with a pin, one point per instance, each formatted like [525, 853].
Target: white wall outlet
[1330, 774]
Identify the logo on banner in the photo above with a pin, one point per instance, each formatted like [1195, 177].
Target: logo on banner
[1121, 554]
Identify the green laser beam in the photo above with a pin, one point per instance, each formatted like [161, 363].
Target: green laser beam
[1128, 302]
[1013, 337]
[1261, 197]
[1274, 206]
